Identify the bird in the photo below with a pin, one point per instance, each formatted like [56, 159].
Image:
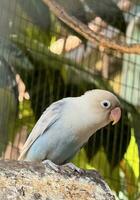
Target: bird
[108, 11]
[67, 124]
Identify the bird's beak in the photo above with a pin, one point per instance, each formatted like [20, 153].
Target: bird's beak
[115, 115]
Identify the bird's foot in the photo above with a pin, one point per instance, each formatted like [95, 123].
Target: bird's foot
[74, 168]
[51, 165]
[56, 168]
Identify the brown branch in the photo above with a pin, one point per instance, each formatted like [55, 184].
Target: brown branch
[83, 30]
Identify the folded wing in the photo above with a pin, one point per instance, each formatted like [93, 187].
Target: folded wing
[48, 118]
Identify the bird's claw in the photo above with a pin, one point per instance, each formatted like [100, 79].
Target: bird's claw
[51, 165]
[74, 168]
[55, 167]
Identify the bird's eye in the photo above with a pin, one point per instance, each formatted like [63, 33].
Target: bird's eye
[105, 104]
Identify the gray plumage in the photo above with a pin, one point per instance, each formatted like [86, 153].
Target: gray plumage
[66, 126]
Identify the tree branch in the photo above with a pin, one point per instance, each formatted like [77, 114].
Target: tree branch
[26, 180]
[83, 29]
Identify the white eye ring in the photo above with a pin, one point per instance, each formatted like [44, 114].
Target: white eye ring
[105, 104]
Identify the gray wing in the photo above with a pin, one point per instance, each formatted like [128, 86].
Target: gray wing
[48, 118]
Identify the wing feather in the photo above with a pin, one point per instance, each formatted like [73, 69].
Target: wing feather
[48, 118]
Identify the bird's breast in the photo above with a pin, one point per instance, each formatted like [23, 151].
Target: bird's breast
[80, 124]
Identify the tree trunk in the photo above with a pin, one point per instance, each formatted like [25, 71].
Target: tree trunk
[32, 181]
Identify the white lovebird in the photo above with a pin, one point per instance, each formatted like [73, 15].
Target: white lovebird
[67, 124]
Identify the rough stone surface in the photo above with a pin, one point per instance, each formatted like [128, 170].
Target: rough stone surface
[34, 181]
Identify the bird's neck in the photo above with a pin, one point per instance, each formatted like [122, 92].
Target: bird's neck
[83, 120]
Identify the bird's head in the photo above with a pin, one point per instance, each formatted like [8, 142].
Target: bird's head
[105, 106]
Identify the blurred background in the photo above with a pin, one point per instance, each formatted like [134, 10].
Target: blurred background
[42, 60]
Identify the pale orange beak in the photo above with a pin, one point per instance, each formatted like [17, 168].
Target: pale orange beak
[115, 115]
